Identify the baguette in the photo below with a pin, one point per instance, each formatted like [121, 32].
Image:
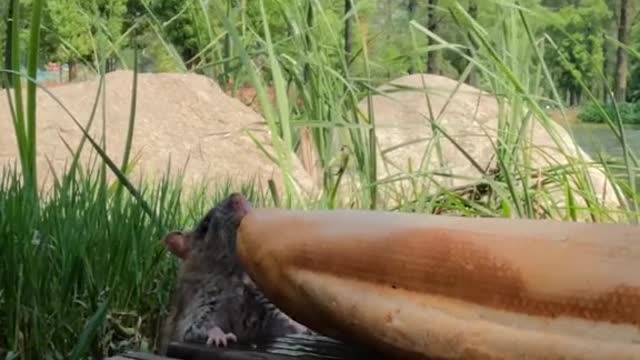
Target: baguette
[438, 287]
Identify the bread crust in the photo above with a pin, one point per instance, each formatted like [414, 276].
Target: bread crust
[423, 286]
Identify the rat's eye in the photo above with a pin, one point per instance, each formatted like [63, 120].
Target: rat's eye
[203, 225]
[211, 222]
[202, 228]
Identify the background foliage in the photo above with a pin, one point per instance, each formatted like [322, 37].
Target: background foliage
[173, 35]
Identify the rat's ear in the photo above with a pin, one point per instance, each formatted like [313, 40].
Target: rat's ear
[178, 243]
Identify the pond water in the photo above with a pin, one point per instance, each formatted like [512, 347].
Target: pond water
[599, 139]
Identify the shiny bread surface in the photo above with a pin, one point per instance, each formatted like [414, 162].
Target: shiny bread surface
[450, 287]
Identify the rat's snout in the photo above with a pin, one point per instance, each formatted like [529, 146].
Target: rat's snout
[239, 205]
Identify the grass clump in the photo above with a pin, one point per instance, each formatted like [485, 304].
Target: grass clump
[627, 112]
[74, 253]
[86, 272]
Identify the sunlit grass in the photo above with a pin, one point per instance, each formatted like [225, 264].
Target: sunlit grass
[88, 248]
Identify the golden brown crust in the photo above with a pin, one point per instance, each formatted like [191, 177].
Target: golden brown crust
[444, 263]
[517, 278]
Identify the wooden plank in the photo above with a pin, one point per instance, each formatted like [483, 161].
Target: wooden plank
[293, 347]
[198, 352]
[135, 355]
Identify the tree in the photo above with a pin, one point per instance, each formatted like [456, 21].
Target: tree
[110, 16]
[578, 33]
[348, 28]
[71, 33]
[80, 30]
[609, 65]
[432, 24]
[472, 79]
[4, 19]
[621, 54]
[411, 10]
[180, 27]
[633, 84]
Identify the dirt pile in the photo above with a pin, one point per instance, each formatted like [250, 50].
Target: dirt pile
[470, 118]
[184, 119]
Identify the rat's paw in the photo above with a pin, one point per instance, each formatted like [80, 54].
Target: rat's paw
[218, 337]
[299, 328]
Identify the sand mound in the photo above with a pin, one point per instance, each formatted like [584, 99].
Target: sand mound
[470, 117]
[182, 118]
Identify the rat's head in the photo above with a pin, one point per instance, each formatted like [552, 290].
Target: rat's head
[215, 235]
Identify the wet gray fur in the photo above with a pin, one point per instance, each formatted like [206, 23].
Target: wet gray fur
[213, 290]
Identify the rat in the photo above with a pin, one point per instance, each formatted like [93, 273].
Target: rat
[215, 301]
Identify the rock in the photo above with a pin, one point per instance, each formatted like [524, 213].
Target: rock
[183, 118]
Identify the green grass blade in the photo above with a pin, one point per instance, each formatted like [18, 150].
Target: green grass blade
[132, 115]
[32, 68]
[91, 329]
